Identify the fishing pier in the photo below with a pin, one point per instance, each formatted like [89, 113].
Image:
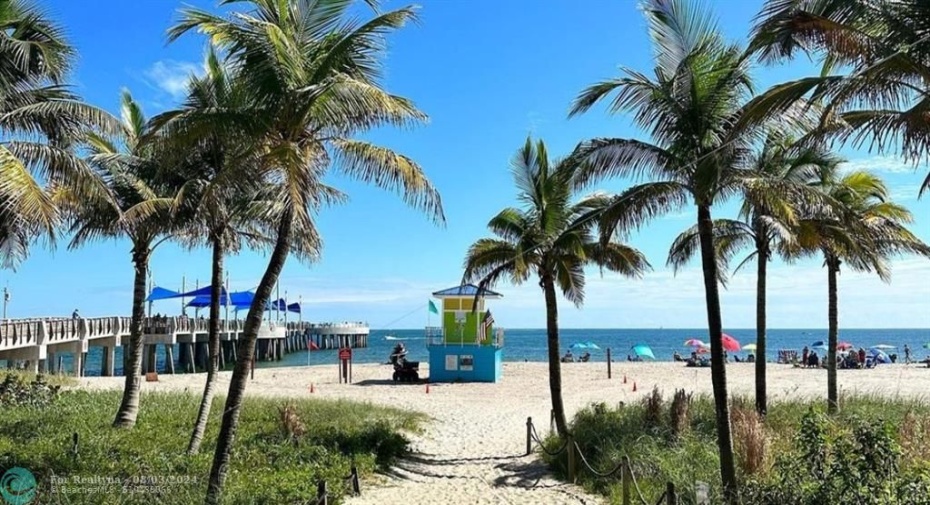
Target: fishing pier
[41, 343]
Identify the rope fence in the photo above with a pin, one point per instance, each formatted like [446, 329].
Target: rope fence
[350, 482]
[624, 467]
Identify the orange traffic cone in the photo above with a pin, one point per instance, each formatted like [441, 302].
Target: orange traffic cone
[427, 388]
[634, 386]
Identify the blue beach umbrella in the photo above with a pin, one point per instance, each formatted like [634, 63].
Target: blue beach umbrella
[643, 351]
[820, 344]
[580, 346]
[591, 345]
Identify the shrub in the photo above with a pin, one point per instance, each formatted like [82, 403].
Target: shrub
[15, 391]
[749, 439]
[266, 466]
[652, 415]
[678, 413]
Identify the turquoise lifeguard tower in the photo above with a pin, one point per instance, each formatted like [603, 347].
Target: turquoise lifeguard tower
[468, 350]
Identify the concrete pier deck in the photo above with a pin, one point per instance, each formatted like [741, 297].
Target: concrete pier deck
[39, 341]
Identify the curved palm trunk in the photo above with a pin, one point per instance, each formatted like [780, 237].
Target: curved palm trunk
[763, 259]
[240, 374]
[209, 389]
[132, 361]
[833, 268]
[555, 364]
[718, 369]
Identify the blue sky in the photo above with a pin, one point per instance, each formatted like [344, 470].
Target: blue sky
[488, 73]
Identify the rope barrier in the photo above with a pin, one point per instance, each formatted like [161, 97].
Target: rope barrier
[591, 469]
[625, 466]
[543, 447]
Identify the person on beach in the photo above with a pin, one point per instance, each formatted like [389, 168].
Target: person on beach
[861, 358]
[907, 355]
[804, 354]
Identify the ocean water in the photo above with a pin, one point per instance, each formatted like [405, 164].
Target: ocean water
[530, 344]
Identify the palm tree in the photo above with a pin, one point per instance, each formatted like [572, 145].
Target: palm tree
[885, 46]
[784, 168]
[314, 75]
[694, 110]
[863, 231]
[553, 237]
[223, 209]
[40, 119]
[136, 207]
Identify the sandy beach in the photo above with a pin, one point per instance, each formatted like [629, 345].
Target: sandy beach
[472, 451]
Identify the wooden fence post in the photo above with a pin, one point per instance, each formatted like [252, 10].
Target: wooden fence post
[608, 363]
[529, 436]
[570, 446]
[356, 488]
[321, 495]
[551, 421]
[670, 498]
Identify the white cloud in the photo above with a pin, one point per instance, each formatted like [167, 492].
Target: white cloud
[906, 192]
[888, 164]
[171, 76]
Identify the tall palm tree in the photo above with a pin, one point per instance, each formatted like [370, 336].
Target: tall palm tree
[553, 237]
[314, 74]
[884, 46]
[694, 109]
[136, 207]
[40, 119]
[223, 209]
[784, 167]
[863, 231]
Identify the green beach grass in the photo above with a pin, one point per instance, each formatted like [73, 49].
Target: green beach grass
[875, 451]
[275, 461]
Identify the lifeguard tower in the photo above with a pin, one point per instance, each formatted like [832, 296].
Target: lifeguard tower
[468, 350]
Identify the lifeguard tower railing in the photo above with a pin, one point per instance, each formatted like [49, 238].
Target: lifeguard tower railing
[435, 337]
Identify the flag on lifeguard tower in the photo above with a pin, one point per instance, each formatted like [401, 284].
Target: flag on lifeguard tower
[432, 308]
[484, 326]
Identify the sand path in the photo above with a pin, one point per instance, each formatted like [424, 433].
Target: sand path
[473, 450]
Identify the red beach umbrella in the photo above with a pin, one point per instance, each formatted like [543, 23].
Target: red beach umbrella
[844, 346]
[730, 343]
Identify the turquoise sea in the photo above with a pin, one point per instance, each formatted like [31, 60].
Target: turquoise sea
[530, 344]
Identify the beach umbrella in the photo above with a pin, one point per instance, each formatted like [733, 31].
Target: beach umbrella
[591, 345]
[730, 343]
[927, 345]
[844, 346]
[693, 342]
[820, 344]
[878, 356]
[883, 347]
[749, 347]
[643, 351]
[579, 345]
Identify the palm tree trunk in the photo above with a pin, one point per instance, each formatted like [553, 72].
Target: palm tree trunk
[209, 388]
[833, 268]
[240, 374]
[555, 364]
[132, 361]
[763, 259]
[718, 371]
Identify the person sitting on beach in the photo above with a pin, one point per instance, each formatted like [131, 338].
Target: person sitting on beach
[805, 353]
[568, 358]
[585, 357]
[813, 360]
[693, 360]
[751, 358]
[677, 357]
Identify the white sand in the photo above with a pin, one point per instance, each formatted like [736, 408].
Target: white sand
[473, 450]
